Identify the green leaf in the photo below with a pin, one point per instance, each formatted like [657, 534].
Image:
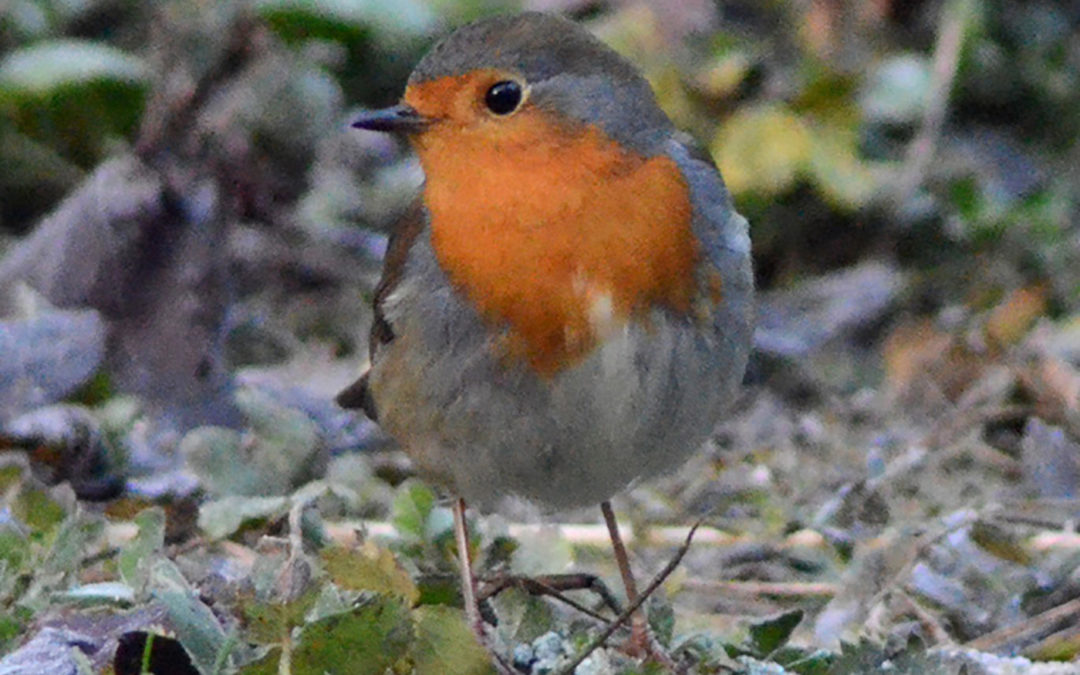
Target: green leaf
[31, 166]
[14, 548]
[836, 169]
[11, 628]
[762, 149]
[444, 643]
[1000, 543]
[365, 641]
[10, 474]
[770, 634]
[269, 622]
[73, 96]
[38, 510]
[439, 589]
[370, 568]
[661, 619]
[412, 506]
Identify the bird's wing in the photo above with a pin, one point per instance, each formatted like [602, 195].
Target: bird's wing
[407, 229]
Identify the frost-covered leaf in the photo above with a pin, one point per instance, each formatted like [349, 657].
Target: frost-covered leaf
[45, 67]
[661, 616]
[135, 557]
[166, 576]
[221, 518]
[523, 617]
[272, 422]
[546, 552]
[75, 539]
[196, 627]
[804, 661]
[212, 453]
[896, 89]
[105, 592]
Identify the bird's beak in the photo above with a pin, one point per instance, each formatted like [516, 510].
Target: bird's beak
[400, 118]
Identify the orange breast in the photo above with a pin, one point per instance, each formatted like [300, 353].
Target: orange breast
[555, 232]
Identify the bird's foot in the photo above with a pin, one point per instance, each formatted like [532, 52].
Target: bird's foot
[644, 645]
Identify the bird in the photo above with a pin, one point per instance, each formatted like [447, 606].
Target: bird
[566, 308]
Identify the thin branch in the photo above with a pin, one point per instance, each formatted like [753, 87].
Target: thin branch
[629, 611]
[554, 585]
[955, 19]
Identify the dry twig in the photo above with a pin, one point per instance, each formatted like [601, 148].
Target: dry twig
[622, 618]
[1007, 638]
[776, 589]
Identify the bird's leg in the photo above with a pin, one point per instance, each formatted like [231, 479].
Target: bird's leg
[468, 579]
[468, 590]
[638, 624]
[642, 642]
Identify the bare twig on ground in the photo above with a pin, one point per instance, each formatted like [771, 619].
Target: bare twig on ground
[1010, 637]
[775, 589]
[930, 623]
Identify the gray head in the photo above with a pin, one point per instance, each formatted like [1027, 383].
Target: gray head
[565, 69]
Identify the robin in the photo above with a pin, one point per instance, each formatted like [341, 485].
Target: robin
[566, 309]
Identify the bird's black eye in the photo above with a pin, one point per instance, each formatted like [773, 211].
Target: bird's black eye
[504, 97]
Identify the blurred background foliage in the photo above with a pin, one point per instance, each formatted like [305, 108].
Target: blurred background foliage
[911, 173]
[813, 110]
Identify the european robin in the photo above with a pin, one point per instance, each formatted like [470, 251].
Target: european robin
[567, 307]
